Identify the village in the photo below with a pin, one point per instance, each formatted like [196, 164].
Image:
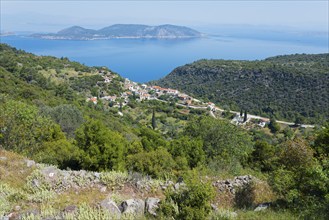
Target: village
[143, 92]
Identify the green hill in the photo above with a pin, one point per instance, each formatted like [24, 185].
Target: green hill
[286, 87]
[88, 158]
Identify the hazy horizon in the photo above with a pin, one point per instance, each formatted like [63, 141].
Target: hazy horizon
[52, 16]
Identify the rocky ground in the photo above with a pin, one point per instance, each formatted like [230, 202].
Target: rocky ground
[29, 190]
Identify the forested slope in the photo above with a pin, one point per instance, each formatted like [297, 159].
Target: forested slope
[286, 87]
[44, 115]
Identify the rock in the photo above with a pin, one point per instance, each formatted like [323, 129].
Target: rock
[262, 206]
[166, 184]
[97, 175]
[13, 216]
[30, 163]
[179, 185]
[17, 208]
[151, 205]
[102, 189]
[109, 205]
[70, 209]
[133, 206]
[176, 186]
[3, 158]
[35, 183]
[139, 185]
[33, 212]
[49, 172]
[214, 207]
[232, 185]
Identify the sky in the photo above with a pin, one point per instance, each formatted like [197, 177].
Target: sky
[52, 16]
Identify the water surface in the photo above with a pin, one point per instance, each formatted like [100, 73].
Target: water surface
[143, 60]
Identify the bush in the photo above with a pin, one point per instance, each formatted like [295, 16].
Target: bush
[102, 149]
[190, 202]
[156, 163]
[114, 179]
[245, 197]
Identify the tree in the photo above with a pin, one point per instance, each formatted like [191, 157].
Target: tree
[190, 149]
[68, 117]
[95, 92]
[245, 118]
[299, 120]
[120, 105]
[154, 125]
[23, 129]
[221, 140]
[241, 113]
[61, 153]
[102, 148]
[301, 181]
[151, 139]
[273, 125]
[156, 163]
[322, 142]
[263, 157]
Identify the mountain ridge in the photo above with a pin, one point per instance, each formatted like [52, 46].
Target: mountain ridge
[123, 31]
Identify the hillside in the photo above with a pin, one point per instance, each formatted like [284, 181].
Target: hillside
[79, 142]
[286, 87]
[123, 31]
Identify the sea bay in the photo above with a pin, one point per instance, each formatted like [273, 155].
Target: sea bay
[143, 60]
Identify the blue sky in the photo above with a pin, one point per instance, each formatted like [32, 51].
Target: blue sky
[48, 16]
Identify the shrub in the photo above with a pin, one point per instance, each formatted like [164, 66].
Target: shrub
[190, 202]
[245, 197]
[114, 179]
[157, 163]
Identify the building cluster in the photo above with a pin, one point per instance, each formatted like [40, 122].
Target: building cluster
[240, 120]
[140, 92]
[146, 92]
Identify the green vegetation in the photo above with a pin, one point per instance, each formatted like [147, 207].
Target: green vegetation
[285, 87]
[151, 143]
[189, 202]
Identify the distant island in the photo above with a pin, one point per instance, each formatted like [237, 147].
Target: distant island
[122, 31]
[6, 33]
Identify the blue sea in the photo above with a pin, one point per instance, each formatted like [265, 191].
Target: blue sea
[143, 60]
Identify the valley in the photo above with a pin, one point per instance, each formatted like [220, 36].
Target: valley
[81, 141]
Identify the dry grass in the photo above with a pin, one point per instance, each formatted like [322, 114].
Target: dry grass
[265, 215]
[64, 74]
[260, 192]
[90, 196]
[263, 192]
[13, 170]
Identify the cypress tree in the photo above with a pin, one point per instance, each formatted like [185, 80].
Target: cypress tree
[245, 116]
[120, 106]
[154, 125]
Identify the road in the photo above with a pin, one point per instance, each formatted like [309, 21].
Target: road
[234, 112]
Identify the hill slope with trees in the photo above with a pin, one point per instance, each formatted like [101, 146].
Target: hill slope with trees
[152, 149]
[285, 87]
